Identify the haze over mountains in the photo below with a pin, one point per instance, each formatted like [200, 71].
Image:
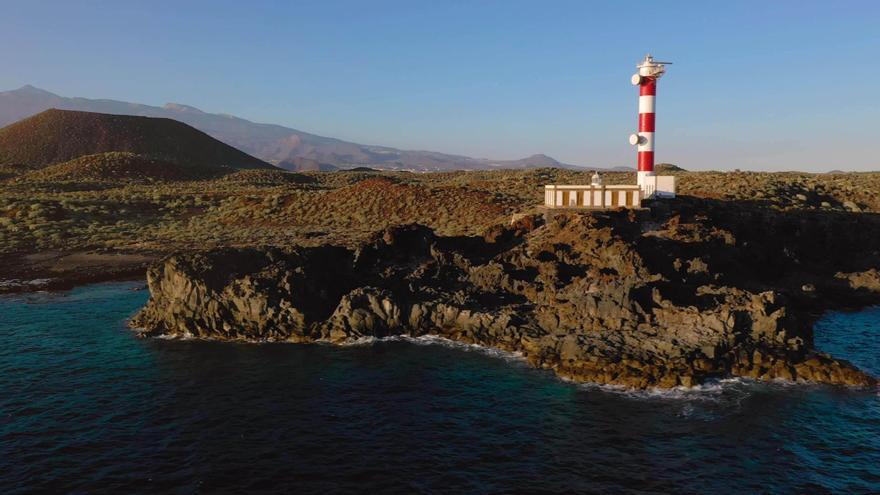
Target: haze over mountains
[288, 148]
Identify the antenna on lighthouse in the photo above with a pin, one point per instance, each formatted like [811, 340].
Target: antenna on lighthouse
[649, 68]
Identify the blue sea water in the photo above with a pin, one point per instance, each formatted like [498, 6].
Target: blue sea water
[85, 406]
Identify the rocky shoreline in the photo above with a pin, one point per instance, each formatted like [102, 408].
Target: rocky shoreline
[62, 270]
[685, 291]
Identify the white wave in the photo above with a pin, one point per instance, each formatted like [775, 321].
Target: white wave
[434, 339]
[711, 390]
[174, 336]
[182, 337]
[14, 282]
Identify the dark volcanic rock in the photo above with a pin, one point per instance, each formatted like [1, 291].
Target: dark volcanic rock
[689, 290]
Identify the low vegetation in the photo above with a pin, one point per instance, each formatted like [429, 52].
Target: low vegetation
[125, 202]
[116, 167]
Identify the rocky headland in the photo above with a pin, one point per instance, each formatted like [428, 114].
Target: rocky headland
[687, 290]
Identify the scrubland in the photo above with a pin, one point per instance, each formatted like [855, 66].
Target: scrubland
[52, 210]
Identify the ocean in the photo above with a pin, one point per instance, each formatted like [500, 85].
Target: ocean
[87, 407]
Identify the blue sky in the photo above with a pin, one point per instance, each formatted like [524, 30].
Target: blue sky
[769, 85]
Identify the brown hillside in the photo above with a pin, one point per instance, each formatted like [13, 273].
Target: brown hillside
[56, 136]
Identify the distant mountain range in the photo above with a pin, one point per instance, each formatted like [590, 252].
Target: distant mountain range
[287, 148]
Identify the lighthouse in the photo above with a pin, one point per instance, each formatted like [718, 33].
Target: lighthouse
[648, 186]
[650, 71]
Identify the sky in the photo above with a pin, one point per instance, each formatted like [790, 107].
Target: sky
[763, 85]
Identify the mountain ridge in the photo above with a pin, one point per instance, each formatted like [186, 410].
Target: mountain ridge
[272, 143]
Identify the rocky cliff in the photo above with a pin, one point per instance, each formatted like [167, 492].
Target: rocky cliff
[685, 291]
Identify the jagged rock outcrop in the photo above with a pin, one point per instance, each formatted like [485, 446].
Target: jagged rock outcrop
[689, 290]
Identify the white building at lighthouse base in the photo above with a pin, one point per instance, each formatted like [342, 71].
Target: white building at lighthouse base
[598, 196]
[657, 186]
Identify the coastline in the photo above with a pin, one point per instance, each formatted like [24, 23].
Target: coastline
[62, 270]
[697, 390]
[431, 338]
[605, 375]
[688, 291]
[583, 294]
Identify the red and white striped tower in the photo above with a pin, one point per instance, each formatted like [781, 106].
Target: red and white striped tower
[646, 79]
